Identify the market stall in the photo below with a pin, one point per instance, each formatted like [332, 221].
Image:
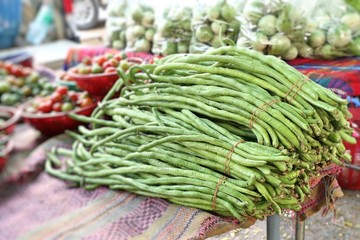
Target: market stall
[209, 123]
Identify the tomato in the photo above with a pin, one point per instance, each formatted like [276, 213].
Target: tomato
[73, 96]
[56, 97]
[68, 78]
[45, 106]
[56, 107]
[86, 61]
[118, 57]
[4, 87]
[100, 60]
[8, 66]
[86, 102]
[67, 106]
[96, 69]
[34, 77]
[124, 65]
[109, 56]
[107, 64]
[114, 62]
[16, 71]
[26, 91]
[84, 70]
[62, 90]
[110, 70]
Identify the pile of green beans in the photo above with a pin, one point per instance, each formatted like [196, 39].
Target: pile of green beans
[229, 131]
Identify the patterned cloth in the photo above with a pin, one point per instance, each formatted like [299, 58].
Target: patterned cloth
[340, 75]
[34, 205]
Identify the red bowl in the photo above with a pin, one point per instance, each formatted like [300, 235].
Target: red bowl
[98, 84]
[94, 84]
[4, 154]
[51, 124]
[10, 123]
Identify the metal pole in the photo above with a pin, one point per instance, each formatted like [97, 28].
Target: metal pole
[300, 230]
[273, 227]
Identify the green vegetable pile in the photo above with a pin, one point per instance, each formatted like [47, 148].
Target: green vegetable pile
[211, 131]
[333, 31]
[211, 24]
[174, 33]
[140, 33]
[116, 24]
[273, 28]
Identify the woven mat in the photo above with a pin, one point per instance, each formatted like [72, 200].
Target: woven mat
[34, 205]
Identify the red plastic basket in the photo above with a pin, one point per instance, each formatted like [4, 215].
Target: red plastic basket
[350, 178]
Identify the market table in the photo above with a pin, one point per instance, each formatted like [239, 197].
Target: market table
[34, 205]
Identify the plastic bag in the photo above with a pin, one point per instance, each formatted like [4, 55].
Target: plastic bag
[41, 28]
[211, 24]
[140, 29]
[116, 24]
[273, 27]
[333, 30]
[174, 32]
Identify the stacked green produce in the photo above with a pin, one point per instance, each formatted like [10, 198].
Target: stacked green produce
[116, 24]
[174, 33]
[274, 28]
[211, 131]
[211, 24]
[140, 32]
[333, 30]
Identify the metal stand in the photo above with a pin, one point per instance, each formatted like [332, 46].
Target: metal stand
[300, 230]
[273, 227]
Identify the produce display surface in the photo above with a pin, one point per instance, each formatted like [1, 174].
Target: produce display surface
[30, 204]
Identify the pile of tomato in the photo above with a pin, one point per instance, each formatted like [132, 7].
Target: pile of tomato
[18, 83]
[61, 100]
[107, 63]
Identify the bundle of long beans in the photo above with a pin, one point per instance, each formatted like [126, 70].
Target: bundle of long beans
[229, 131]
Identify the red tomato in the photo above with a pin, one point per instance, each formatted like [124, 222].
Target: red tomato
[62, 90]
[73, 96]
[110, 69]
[67, 78]
[8, 66]
[56, 107]
[100, 60]
[16, 71]
[107, 64]
[86, 61]
[118, 57]
[86, 102]
[45, 106]
[56, 97]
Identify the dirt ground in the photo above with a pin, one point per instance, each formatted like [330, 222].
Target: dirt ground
[345, 225]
